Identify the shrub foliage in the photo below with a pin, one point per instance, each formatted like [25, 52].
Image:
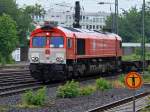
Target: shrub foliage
[69, 90]
[121, 78]
[103, 84]
[32, 98]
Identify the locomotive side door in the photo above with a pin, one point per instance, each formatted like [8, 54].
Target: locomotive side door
[80, 46]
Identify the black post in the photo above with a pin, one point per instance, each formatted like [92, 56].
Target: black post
[76, 23]
[116, 16]
[143, 36]
[134, 92]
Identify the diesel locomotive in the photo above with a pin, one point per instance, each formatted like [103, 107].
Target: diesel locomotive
[59, 53]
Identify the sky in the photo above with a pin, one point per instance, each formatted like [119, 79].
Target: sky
[87, 5]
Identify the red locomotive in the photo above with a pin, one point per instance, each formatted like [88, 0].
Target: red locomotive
[58, 53]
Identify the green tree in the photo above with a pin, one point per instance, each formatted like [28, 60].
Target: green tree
[9, 7]
[8, 37]
[35, 10]
[23, 19]
[129, 25]
[25, 22]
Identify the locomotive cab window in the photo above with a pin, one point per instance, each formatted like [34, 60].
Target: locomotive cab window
[56, 42]
[39, 41]
[69, 43]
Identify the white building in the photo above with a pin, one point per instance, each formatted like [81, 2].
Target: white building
[89, 20]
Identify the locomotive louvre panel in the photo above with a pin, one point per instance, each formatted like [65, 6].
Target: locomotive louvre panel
[110, 47]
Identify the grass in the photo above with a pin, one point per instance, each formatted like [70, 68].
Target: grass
[146, 77]
[3, 108]
[26, 106]
[118, 84]
[72, 89]
[121, 78]
[135, 57]
[146, 109]
[132, 57]
[88, 90]
[102, 84]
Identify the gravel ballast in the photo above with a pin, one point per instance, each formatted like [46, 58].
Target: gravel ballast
[78, 104]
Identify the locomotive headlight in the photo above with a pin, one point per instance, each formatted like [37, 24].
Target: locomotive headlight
[34, 59]
[59, 59]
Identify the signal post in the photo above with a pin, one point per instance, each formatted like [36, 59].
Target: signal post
[133, 80]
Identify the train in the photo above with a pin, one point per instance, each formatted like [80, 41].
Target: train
[60, 53]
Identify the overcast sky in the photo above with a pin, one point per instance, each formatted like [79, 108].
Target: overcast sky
[89, 5]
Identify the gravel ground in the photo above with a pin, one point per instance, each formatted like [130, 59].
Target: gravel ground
[79, 104]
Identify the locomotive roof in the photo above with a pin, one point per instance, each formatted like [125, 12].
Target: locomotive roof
[79, 32]
[82, 33]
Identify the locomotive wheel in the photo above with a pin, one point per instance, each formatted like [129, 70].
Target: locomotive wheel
[37, 75]
[70, 75]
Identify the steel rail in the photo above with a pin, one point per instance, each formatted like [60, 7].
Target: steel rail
[118, 103]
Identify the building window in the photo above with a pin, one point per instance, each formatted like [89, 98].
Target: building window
[97, 26]
[93, 19]
[83, 26]
[96, 19]
[90, 26]
[93, 26]
[83, 17]
[87, 27]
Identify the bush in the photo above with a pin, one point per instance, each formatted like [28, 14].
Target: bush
[121, 78]
[103, 84]
[69, 90]
[38, 98]
[146, 78]
[148, 68]
[87, 90]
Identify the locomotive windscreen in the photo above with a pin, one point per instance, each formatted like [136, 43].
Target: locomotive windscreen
[39, 41]
[56, 42]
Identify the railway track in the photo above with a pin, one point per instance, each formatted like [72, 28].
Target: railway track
[16, 80]
[18, 88]
[109, 107]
